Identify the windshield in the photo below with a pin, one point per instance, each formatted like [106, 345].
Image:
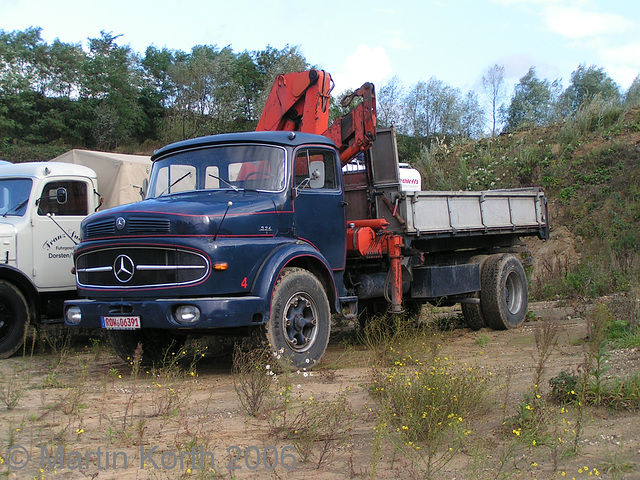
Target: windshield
[14, 196]
[225, 167]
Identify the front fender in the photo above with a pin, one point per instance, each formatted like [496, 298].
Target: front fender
[25, 285]
[298, 254]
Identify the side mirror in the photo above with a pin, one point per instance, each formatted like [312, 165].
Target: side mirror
[314, 180]
[143, 188]
[61, 196]
[316, 175]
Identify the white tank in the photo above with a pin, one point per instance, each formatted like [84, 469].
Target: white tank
[410, 179]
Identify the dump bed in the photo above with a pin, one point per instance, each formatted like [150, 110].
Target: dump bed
[521, 211]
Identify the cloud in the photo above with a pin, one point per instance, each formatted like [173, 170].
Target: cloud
[366, 64]
[573, 19]
[397, 39]
[575, 23]
[629, 53]
[622, 62]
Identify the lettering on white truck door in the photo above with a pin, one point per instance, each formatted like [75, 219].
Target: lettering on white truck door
[62, 205]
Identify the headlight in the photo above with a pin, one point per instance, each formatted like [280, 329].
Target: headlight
[186, 314]
[73, 315]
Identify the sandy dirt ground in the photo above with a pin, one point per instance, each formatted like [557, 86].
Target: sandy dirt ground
[86, 407]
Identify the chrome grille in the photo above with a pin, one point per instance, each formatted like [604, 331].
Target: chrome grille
[140, 267]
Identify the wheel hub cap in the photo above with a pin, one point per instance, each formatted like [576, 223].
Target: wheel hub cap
[300, 322]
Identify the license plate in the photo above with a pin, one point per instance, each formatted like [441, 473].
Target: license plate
[120, 323]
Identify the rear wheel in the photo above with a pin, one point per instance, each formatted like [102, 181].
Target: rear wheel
[472, 312]
[300, 322]
[473, 316]
[158, 345]
[504, 295]
[14, 319]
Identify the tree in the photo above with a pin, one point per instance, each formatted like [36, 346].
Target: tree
[111, 82]
[446, 105]
[472, 119]
[39, 88]
[586, 83]
[156, 65]
[531, 104]
[494, 88]
[632, 97]
[435, 108]
[59, 70]
[20, 54]
[272, 62]
[390, 100]
[247, 76]
[414, 114]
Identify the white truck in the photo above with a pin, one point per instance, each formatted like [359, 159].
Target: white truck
[41, 207]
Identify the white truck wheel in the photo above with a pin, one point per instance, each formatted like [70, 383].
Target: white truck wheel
[14, 319]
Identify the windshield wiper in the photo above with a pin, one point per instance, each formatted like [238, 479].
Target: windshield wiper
[17, 207]
[178, 180]
[224, 181]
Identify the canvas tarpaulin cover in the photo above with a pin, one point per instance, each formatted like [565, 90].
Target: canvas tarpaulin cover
[119, 175]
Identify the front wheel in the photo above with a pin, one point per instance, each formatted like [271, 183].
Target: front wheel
[14, 319]
[504, 296]
[300, 321]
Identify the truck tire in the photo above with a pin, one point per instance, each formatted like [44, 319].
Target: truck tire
[300, 321]
[473, 316]
[472, 312]
[504, 295]
[156, 344]
[14, 319]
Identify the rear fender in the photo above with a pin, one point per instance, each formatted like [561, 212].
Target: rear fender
[300, 255]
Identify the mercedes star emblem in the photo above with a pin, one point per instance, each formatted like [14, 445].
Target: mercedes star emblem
[120, 223]
[123, 268]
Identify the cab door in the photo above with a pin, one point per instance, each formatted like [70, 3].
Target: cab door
[62, 205]
[319, 207]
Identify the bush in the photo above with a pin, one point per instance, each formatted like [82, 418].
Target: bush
[425, 408]
[564, 387]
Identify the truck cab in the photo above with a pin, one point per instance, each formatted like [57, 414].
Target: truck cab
[41, 207]
[225, 218]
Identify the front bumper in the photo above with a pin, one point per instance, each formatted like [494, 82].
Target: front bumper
[223, 312]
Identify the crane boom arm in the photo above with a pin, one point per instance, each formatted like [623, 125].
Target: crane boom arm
[300, 102]
[355, 132]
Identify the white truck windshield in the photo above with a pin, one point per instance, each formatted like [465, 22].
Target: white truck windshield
[14, 196]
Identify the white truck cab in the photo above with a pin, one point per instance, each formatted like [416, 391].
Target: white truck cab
[41, 207]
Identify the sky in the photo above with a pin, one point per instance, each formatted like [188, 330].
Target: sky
[455, 41]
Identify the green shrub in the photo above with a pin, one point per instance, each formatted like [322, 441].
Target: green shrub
[564, 387]
[422, 402]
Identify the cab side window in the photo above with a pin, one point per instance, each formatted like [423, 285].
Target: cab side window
[317, 165]
[64, 197]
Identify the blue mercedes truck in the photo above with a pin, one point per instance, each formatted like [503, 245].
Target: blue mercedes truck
[273, 232]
